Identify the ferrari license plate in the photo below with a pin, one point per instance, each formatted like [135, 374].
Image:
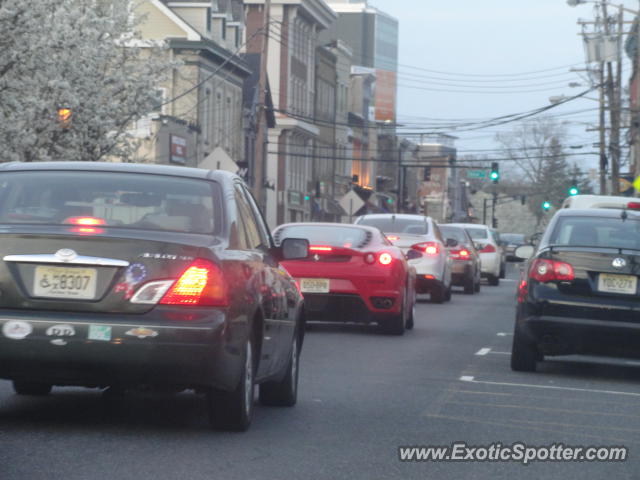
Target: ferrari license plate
[65, 282]
[314, 285]
[626, 284]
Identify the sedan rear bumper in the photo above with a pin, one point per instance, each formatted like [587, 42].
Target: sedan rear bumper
[113, 350]
[566, 335]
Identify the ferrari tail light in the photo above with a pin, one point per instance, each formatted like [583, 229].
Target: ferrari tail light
[320, 248]
[430, 248]
[488, 248]
[200, 284]
[543, 270]
[385, 258]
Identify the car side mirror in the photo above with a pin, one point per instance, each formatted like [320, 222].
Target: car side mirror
[451, 242]
[294, 249]
[525, 252]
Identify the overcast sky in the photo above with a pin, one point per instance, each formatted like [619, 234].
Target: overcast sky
[478, 44]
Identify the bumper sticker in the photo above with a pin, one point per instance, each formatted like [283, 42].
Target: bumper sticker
[99, 332]
[142, 332]
[16, 329]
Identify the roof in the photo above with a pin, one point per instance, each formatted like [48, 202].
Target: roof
[145, 168]
[250, 88]
[597, 212]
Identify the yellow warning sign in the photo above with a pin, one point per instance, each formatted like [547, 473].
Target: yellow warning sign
[636, 184]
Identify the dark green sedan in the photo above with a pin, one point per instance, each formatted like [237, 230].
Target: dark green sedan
[126, 275]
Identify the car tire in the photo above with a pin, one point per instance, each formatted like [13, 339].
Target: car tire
[396, 324]
[233, 410]
[523, 354]
[470, 285]
[31, 388]
[477, 286]
[494, 280]
[503, 271]
[412, 314]
[437, 293]
[447, 294]
[283, 393]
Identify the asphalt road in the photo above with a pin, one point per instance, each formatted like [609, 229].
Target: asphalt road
[362, 394]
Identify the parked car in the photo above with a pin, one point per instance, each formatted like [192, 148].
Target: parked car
[487, 246]
[354, 274]
[466, 260]
[420, 239]
[124, 275]
[579, 291]
[512, 241]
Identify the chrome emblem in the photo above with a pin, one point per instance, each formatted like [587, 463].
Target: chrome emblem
[316, 257]
[619, 263]
[66, 255]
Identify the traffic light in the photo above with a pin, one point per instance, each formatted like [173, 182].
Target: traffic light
[427, 174]
[64, 117]
[495, 172]
[494, 223]
[546, 205]
[573, 190]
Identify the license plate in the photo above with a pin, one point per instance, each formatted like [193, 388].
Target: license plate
[314, 285]
[65, 282]
[626, 284]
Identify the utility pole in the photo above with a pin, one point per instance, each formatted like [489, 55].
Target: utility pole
[261, 135]
[603, 138]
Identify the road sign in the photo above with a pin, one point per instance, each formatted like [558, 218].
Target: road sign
[636, 184]
[351, 203]
[476, 174]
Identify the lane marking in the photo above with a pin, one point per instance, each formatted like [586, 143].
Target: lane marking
[466, 378]
[483, 351]
[504, 334]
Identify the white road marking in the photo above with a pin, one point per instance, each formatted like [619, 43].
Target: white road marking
[470, 379]
[483, 351]
[504, 334]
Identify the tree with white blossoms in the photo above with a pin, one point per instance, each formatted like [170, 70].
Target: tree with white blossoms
[84, 55]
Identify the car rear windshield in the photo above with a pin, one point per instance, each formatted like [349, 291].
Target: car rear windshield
[477, 233]
[349, 237]
[455, 233]
[515, 238]
[415, 226]
[597, 232]
[122, 200]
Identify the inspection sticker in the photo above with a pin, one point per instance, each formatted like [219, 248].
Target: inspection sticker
[100, 332]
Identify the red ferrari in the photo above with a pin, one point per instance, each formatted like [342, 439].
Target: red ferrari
[352, 274]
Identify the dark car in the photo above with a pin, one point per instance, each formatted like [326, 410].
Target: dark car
[579, 292]
[466, 269]
[354, 275]
[512, 241]
[124, 275]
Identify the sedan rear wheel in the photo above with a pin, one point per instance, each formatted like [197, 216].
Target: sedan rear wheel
[438, 293]
[285, 392]
[234, 410]
[494, 280]
[469, 285]
[31, 388]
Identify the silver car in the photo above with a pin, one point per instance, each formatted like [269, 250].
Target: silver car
[422, 243]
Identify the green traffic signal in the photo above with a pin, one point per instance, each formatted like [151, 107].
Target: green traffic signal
[573, 191]
[494, 176]
[546, 205]
[495, 172]
[307, 198]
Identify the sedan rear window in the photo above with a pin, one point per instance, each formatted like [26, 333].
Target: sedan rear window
[477, 233]
[513, 238]
[597, 232]
[455, 233]
[333, 236]
[122, 200]
[397, 225]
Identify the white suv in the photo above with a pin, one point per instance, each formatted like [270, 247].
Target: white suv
[489, 250]
[422, 243]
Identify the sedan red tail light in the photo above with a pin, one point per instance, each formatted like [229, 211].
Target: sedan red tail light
[544, 270]
[459, 254]
[200, 284]
[430, 248]
[488, 248]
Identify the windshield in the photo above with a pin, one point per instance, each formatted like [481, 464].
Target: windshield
[596, 232]
[393, 224]
[477, 233]
[334, 236]
[122, 200]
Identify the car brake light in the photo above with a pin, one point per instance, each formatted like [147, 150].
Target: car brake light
[86, 221]
[543, 270]
[430, 248]
[200, 284]
[488, 248]
[459, 254]
[385, 258]
[522, 291]
[319, 248]
[392, 238]
[633, 205]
